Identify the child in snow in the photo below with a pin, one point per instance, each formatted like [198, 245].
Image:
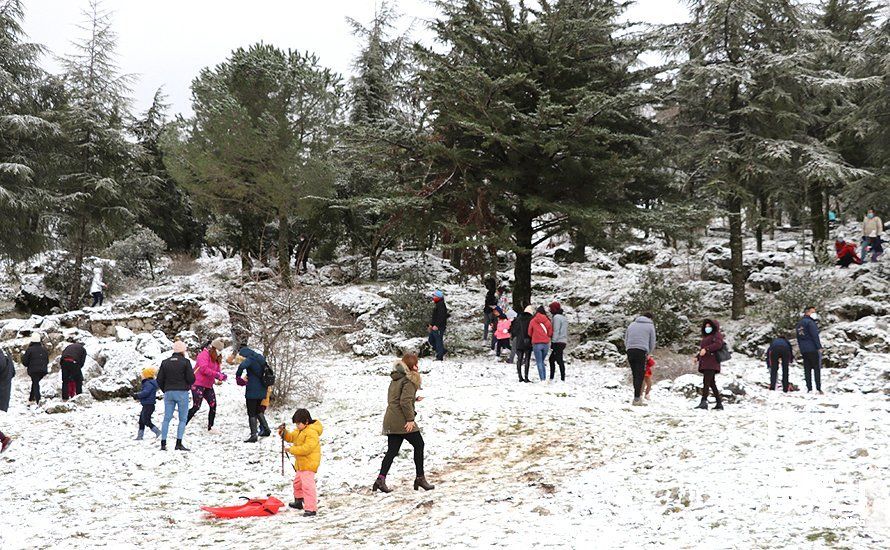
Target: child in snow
[503, 334]
[647, 378]
[147, 396]
[307, 450]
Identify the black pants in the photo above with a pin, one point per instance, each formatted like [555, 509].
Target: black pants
[35, 387]
[845, 260]
[812, 368]
[145, 417]
[709, 383]
[782, 359]
[637, 360]
[523, 358]
[98, 298]
[503, 343]
[394, 443]
[556, 352]
[254, 411]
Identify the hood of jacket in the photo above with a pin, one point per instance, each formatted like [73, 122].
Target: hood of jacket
[644, 320]
[715, 324]
[400, 370]
[315, 427]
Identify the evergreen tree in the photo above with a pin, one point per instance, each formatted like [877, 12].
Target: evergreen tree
[260, 142]
[538, 114]
[94, 195]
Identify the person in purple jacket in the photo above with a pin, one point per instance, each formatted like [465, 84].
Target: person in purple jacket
[208, 371]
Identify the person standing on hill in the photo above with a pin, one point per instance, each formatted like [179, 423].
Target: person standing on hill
[175, 379]
[810, 347]
[540, 330]
[208, 372]
[73, 358]
[488, 309]
[438, 324]
[306, 449]
[36, 361]
[252, 365]
[522, 342]
[779, 352]
[872, 229]
[708, 362]
[97, 287]
[559, 341]
[7, 373]
[639, 343]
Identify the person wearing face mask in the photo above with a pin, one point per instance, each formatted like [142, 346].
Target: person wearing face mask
[708, 363]
[872, 229]
[810, 346]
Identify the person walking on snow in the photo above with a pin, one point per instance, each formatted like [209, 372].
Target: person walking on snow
[147, 397]
[175, 378]
[639, 343]
[398, 421]
[807, 331]
[71, 362]
[208, 371]
[540, 330]
[306, 449]
[7, 373]
[872, 229]
[559, 341]
[502, 334]
[488, 309]
[97, 287]
[252, 365]
[437, 325]
[779, 351]
[522, 342]
[708, 363]
[36, 361]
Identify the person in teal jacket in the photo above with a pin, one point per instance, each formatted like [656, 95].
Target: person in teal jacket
[252, 364]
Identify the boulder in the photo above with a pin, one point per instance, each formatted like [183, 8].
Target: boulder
[753, 340]
[856, 307]
[786, 246]
[148, 346]
[545, 267]
[33, 297]
[419, 345]
[369, 343]
[83, 400]
[718, 256]
[689, 385]
[60, 407]
[107, 387]
[760, 260]
[715, 273]
[596, 350]
[636, 255]
[770, 279]
[123, 334]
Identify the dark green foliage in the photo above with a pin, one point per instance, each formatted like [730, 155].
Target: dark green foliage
[675, 306]
[411, 302]
[799, 291]
[60, 271]
[138, 254]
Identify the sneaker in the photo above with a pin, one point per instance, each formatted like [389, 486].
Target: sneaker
[5, 443]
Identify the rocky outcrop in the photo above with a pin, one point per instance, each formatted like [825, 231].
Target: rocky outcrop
[636, 255]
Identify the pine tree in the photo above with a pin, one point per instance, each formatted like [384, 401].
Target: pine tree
[538, 114]
[94, 198]
[26, 132]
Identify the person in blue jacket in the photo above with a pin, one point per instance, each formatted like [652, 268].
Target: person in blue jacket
[810, 346]
[779, 352]
[252, 364]
[147, 397]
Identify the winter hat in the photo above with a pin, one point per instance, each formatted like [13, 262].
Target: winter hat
[438, 294]
[511, 314]
[35, 338]
[148, 372]
[530, 310]
[179, 347]
[554, 306]
[218, 344]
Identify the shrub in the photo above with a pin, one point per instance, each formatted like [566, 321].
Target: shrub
[59, 274]
[137, 255]
[799, 290]
[672, 304]
[410, 299]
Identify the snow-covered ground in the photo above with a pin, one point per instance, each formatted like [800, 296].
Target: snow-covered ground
[515, 465]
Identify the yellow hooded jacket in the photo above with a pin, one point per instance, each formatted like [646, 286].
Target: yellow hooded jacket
[306, 446]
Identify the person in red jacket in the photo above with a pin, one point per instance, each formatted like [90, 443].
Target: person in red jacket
[846, 253]
[708, 364]
[540, 330]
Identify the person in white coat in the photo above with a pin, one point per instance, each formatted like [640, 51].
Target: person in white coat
[97, 287]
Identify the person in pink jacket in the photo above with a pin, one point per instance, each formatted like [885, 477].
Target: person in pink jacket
[208, 371]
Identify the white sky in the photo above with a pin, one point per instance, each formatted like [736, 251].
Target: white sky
[167, 42]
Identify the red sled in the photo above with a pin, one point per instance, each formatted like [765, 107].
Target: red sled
[254, 507]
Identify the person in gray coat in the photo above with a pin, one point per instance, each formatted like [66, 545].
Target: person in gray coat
[639, 342]
[7, 373]
[559, 341]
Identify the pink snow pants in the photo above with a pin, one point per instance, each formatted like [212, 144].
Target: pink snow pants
[304, 488]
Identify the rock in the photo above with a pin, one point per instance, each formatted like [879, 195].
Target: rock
[636, 255]
[545, 267]
[602, 325]
[855, 308]
[859, 453]
[871, 333]
[123, 334]
[715, 296]
[419, 345]
[786, 246]
[596, 350]
[33, 297]
[689, 385]
[61, 407]
[733, 391]
[147, 345]
[760, 260]
[713, 272]
[107, 387]
[83, 400]
[753, 340]
[666, 259]
[770, 279]
[190, 339]
[603, 263]
[839, 355]
[369, 343]
[718, 256]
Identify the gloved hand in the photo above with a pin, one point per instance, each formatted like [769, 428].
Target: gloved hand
[241, 381]
[222, 377]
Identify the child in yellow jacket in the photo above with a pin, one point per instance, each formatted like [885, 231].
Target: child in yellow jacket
[307, 450]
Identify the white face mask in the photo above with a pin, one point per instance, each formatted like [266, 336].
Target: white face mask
[814, 316]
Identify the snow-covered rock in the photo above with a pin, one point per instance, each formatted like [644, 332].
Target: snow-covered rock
[689, 385]
[713, 272]
[636, 255]
[769, 279]
[418, 345]
[786, 245]
[34, 297]
[60, 407]
[857, 307]
[123, 334]
[596, 350]
[369, 343]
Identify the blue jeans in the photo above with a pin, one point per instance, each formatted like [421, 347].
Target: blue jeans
[540, 351]
[437, 341]
[175, 399]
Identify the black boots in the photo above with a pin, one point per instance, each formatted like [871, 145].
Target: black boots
[380, 485]
[719, 405]
[297, 504]
[264, 426]
[703, 404]
[180, 446]
[308, 514]
[253, 422]
[163, 444]
[156, 431]
[140, 434]
[421, 482]
[191, 415]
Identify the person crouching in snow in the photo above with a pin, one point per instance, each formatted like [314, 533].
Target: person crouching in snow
[147, 396]
[306, 449]
[647, 378]
[846, 253]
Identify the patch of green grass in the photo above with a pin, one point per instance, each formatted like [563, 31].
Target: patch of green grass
[827, 535]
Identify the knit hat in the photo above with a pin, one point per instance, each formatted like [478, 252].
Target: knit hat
[179, 347]
[530, 309]
[218, 344]
[35, 338]
[148, 372]
[438, 294]
[554, 306]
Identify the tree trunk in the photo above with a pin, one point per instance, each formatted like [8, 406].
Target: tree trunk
[817, 215]
[522, 268]
[374, 257]
[79, 252]
[761, 220]
[579, 246]
[284, 249]
[736, 248]
[457, 255]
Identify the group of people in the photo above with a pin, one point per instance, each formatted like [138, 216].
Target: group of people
[530, 333]
[870, 243]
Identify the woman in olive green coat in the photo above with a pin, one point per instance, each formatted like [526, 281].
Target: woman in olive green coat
[398, 422]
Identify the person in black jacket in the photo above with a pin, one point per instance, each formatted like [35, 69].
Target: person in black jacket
[438, 323]
[522, 342]
[175, 378]
[72, 360]
[778, 352]
[490, 302]
[7, 373]
[36, 360]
